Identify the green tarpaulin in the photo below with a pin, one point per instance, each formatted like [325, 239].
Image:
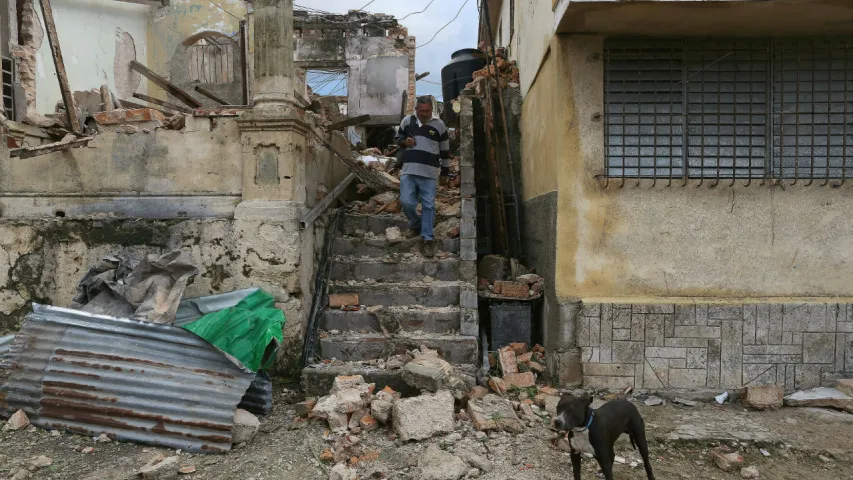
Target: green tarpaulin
[244, 331]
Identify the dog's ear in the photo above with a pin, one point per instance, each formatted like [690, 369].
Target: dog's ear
[587, 401]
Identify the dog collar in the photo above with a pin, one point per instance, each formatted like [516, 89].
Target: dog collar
[589, 422]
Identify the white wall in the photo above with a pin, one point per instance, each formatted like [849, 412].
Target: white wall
[87, 31]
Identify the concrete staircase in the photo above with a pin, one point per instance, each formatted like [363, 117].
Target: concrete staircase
[424, 301]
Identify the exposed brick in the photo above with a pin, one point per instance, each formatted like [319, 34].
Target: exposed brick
[508, 361]
[338, 300]
[520, 380]
[112, 117]
[519, 348]
[513, 289]
[144, 115]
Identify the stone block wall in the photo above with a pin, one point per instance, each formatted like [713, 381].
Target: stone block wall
[707, 346]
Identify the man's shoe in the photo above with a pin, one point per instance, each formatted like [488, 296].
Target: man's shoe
[429, 248]
[413, 232]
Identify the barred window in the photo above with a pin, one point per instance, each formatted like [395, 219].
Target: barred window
[729, 108]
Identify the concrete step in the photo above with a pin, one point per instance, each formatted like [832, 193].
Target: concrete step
[317, 379]
[429, 320]
[394, 269]
[361, 347]
[379, 247]
[435, 294]
[351, 222]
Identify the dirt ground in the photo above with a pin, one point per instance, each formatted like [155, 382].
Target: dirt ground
[801, 444]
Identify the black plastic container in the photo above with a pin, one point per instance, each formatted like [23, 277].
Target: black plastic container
[456, 74]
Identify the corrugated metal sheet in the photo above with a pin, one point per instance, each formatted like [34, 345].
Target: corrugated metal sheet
[133, 380]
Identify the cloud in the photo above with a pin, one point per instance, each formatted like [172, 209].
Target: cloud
[462, 33]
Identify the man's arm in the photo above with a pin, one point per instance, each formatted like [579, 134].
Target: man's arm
[402, 133]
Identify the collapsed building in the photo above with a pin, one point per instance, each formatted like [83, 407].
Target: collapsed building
[194, 129]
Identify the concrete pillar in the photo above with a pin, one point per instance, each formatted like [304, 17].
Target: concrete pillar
[273, 133]
[273, 34]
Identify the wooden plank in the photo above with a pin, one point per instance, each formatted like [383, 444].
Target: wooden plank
[127, 104]
[321, 207]
[106, 99]
[207, 93]
[165, 84]
[162, 103]
[49, 148]
[348, 122]
[56, 51]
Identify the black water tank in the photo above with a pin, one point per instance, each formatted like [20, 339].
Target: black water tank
[456, 74]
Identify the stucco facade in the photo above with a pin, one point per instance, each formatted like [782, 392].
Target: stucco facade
[692, 263]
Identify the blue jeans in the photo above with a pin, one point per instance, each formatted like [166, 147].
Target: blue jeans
[412, 189]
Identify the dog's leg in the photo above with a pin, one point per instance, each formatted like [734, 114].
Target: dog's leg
[638, 433]
[576, 465]
[605, 461]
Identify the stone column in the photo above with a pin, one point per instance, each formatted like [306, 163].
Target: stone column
[273, 133]
[273, 33]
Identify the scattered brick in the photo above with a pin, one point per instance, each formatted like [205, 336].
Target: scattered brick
[767, 397]
[728, 462]
[478, 393]
[344, 382]
[508, 362]
[538, 348]
[498, 385]
[536, 367]
[548, 391]
[303, 409]
[519, 348]
[368, 423]
[144, 115]
[338, 300]
[524, 358]
[514, 290]
[520, 380]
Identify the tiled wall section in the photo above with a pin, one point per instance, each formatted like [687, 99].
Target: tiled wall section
[714, 347]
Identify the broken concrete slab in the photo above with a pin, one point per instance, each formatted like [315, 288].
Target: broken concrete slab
[342, 472]
[161, 468]
[766, 397]
[820, 397]
[436, 464]
[726, 461]
[382, 405]
[421, 417]
[474, 460]
[245, 426]
[428, 371]
[845, 385]
[343, 382]
[493, 413]
[18, 421]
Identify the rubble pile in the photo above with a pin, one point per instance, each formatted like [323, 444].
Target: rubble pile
[503, 279]
[504, 70]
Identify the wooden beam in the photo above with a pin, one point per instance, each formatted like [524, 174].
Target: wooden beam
[323, 204]
[162, 103]
[56, 51]
[127, 104]
[348, 122]
[165, 84]
[49, 148]
[150, 3]
[207, 93]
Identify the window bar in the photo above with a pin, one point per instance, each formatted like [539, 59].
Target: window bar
[606, 108]
[701, 124]
[719, 95]
[654, 135]
[796, 117]
[828, 113]
[749, 134]
[769, 146]
[844, 118]
[624, 129]
[813, 110]
[639, 137]
[669, 95]
[684, 146]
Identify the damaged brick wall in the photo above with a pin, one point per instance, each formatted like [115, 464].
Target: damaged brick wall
[30, 38]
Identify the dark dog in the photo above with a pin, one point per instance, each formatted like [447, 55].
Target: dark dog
[605, 425]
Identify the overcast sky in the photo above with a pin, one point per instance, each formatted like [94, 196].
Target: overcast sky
[462, 33]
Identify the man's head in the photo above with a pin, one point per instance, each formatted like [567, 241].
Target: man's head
[571, 412]
[423, 109]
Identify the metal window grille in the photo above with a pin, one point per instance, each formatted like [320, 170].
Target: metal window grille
[7, 86]
[212, 60]
[729, 108]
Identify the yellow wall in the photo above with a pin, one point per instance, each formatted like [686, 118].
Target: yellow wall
[648, 242]
[172, 25]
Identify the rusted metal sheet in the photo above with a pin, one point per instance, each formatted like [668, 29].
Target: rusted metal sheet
[135, 381]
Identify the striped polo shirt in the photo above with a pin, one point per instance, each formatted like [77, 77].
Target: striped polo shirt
[431, 150]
